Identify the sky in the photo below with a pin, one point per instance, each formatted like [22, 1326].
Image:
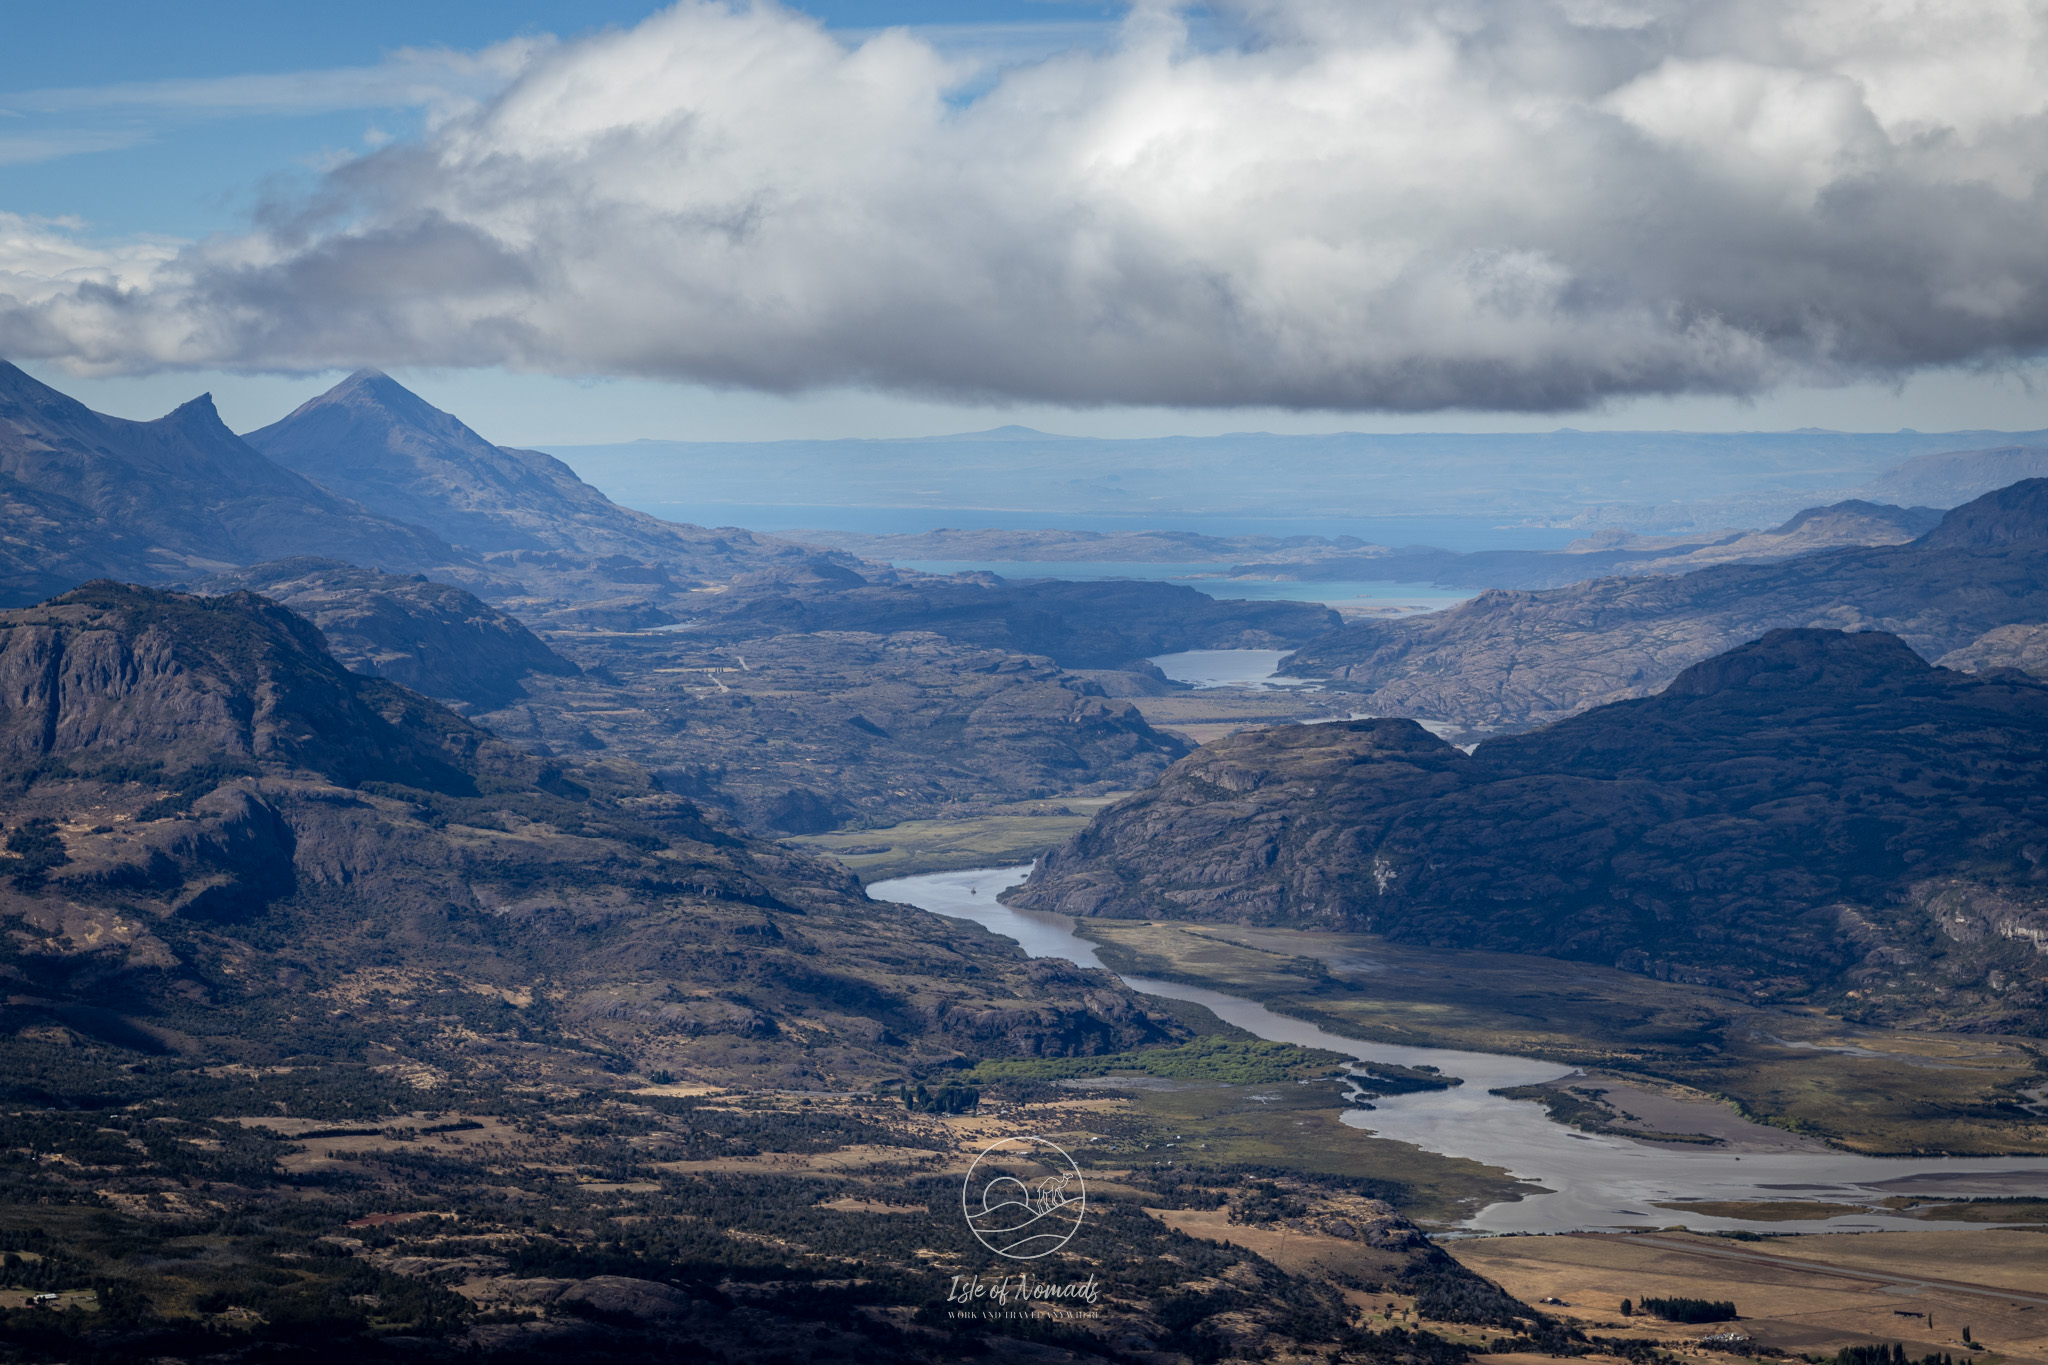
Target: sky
[593, 221]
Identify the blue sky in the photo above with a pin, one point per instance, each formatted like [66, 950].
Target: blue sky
[132, 121]
[165, 143]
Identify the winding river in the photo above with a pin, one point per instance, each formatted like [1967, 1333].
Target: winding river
[1589, 1181]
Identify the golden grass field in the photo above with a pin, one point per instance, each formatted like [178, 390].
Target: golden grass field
[1208, 714]
[1000, 837]
[1803, 1295]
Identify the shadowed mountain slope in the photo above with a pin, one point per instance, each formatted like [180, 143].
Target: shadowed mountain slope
[91, 495]
[1806, 814]
[213, 827]
[1516, 658]
[433, 637]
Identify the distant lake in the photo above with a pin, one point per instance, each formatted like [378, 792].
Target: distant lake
[1258, 668]
[1356, 594]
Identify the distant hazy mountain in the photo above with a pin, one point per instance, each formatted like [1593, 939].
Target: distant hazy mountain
[1803, 816]
[1950, 477]
[1636, 479]
[433, 637]
[1509, 658]
[1617, 552]
[374, 440]
[90, 496]
[1053, 547]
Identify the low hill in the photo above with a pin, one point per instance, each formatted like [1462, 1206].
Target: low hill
[433, 637]
[1812, 814]
[1510, 658]
[88, 495]
[224, 847]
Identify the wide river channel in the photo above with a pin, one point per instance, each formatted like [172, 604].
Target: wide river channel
[1588, 1181]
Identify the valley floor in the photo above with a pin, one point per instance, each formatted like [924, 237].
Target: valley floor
[1801, 1295]
[1863, 1090]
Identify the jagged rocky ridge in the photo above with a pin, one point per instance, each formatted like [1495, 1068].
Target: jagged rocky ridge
[223, 845]
[564, 556]
[86, 495]
[372, 439]
[1812, 814]
[1509, 659]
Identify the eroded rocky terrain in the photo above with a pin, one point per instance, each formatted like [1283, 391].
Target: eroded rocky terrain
[1818, 816]
[806, 732]
[216, 832]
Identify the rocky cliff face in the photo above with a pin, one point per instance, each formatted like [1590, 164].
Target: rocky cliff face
[230, 847]
[1813, 812]
[1509, 659]
[95, 495]
[433, 637]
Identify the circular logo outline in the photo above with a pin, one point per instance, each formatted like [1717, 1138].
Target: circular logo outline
[1029, 1203]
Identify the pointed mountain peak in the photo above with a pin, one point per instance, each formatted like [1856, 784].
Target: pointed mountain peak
[196, 411]
[377, 385]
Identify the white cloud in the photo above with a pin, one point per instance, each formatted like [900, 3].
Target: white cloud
[1516, 204]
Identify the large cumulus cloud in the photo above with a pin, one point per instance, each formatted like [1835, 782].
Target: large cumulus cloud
[1409, 204]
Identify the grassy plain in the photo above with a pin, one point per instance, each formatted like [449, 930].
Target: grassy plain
[1001, 835]
[1862, 1089]
[1802, 1295]
[1295, 1127]
[1210, 713]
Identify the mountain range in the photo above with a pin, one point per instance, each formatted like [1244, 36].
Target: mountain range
[1511, 658]
[524, 513]
[216, 832]
[1338, 558]
[91, 496]
[1816, 816]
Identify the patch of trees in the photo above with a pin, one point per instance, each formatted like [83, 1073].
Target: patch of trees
[1690, 1310]
[1225, 1060]
[1895, 1354]
[1447, 1292]
[948, 1098]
